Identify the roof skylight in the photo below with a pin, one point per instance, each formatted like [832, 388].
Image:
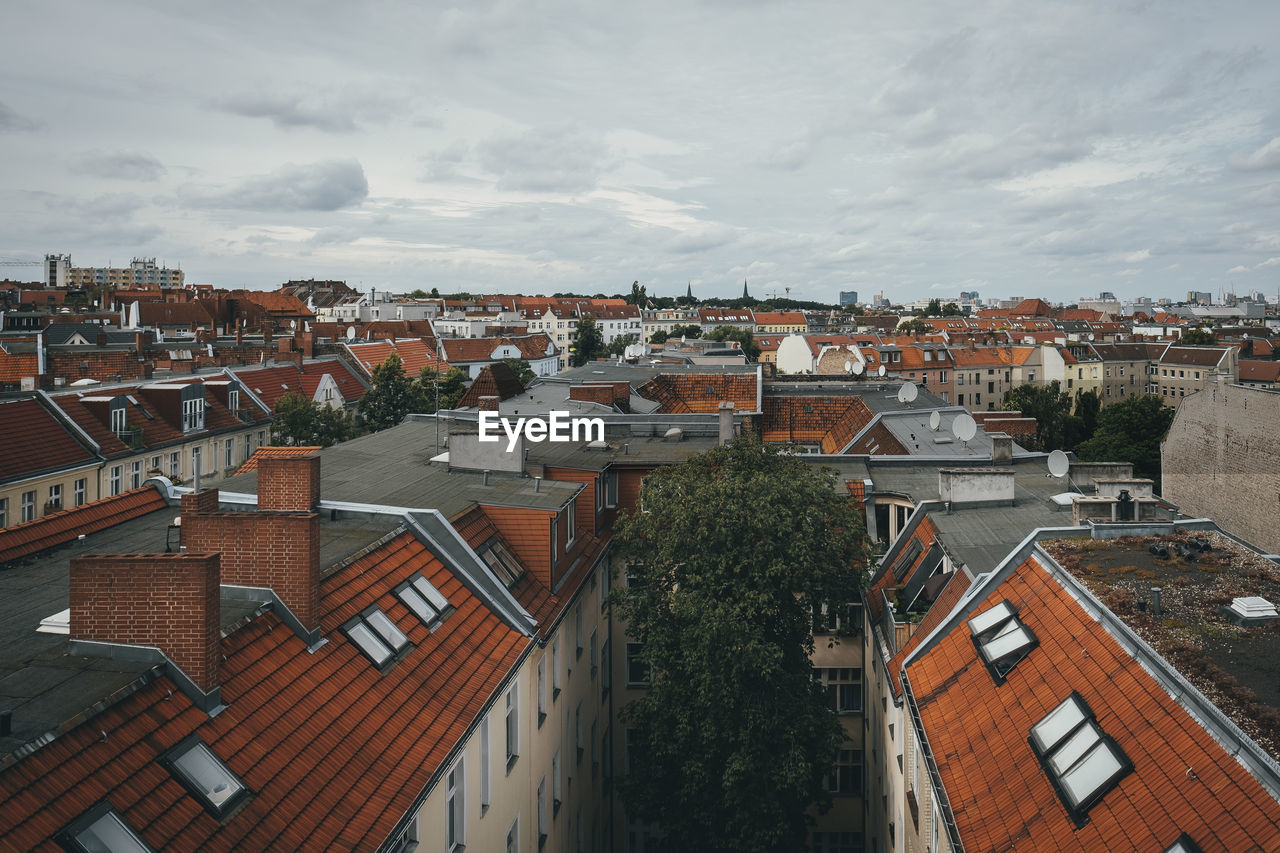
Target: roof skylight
[377, 636]
[1083, 764]
[103, 830]
[424, 600]
[1001, 639]
[205, 776]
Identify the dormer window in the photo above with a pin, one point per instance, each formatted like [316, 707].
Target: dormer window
[377, 637]
[193, 415]
[427, 603]
[119, 419]
[498, 558]
[233, 400]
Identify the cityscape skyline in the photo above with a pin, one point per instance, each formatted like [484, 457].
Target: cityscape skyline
[496, 148]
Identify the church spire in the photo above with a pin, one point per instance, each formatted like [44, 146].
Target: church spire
[745, 295]
[689, 293]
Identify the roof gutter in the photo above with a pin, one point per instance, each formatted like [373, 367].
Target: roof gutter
[940, 797]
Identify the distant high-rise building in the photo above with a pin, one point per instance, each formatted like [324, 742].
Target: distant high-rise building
[57, 268]
[848, 297]
[968, 297]
[1200, 297]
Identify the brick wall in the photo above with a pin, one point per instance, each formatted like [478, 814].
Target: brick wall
[585, 503]
[289, 484]
[170, 601]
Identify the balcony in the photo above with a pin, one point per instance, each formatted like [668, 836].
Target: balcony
[130, 436]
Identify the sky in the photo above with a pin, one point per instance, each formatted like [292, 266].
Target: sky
[916, 149]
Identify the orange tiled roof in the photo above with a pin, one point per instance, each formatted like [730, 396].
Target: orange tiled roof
[463, 350]
[1259, 371]
[892, 574]
[1001, 796]
[414, 352]
[276, 452]
[956, 585]
[309, 733]
[56, 528]
[702, 393]
[33, 439]
[831, 422]
[15, 366]
[780, 318]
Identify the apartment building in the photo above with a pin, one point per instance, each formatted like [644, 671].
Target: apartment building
[1185, 370]
[142, 273]
[780, 322]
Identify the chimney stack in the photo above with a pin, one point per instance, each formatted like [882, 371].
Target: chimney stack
[1001, 448]
[277, 547]
[726, 422]
[170, 601]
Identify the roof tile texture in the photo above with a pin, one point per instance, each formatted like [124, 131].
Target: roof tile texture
[32, 440]
[1001, 797]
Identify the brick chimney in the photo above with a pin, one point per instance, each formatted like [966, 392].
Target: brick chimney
[307, 343]
[170, 601]
[278, 546]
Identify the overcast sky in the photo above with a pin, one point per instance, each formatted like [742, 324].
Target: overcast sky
[1052, 149]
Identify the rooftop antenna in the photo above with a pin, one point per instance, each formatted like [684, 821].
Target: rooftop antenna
[964, 427]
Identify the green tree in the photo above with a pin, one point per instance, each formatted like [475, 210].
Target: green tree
[659, 337]
[952, 310]
[390, 397]
[1051, 408]
[1083, 422]
[453, 384]
[618, 346]
[1131, 431]
[298, 421]
[520, 367]
[418, 294]
[637, 295]
[589, 343]
[1198, 338]
[934, 308]
[733, 737]
[744, 337]
[913, 326]
[692, 330]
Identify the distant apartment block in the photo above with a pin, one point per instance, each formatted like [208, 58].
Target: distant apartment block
[848, 297]
[141, 272]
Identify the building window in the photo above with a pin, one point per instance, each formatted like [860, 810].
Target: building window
[570, 532]
[115, 479]
[579, 741]
[205, 776]
[102, 830]
[196, 455]
[233, 400]
[843, 686]
[55, 497]
[135, 473]
[81, 487]
[192, 415]
[377, 637]
[4, 512]
[500, 560]
[513, 725]
[513, 836]
[543, 823]
[555, 667]
[606, 671]
[175, 466]
[637, 669]
[593, 657]
[455, 806]
[29, 506]
[611, 488]
[230, 445]
[1001, 639]
[426, 602]
[577, 632]
[542, 690]
[557, 787]
[262, 438]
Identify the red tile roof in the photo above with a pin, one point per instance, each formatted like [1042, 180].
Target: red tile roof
[310, 734]
[831, 422]
[701, 393]
[60, 527]
[14, 367]
[414, 352]
[276, 452]
[272, 383]
[493, 380]
[1000, 794]
[780, 318]
[33, 439]
[957, 583]
[1260, 371]
[462, 350]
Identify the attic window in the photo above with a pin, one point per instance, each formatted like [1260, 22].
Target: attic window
[1001, 639]
[102, 830]
[1083, 764]
[204, 775]
[377, 636]
[424, 600]
[503, 564]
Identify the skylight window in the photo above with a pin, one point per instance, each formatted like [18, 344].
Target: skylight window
[501, 561]
[424, 600]
[377, 636]
[103, 830]
[205, 776]
[1083, 764]
[1001, 639]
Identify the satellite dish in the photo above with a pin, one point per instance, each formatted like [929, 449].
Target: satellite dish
[848, 367]
[351, 333]
[293, 324]
[964, 427]
[935, 420]
[1059, 464]
[908, 392]
[881, 371]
